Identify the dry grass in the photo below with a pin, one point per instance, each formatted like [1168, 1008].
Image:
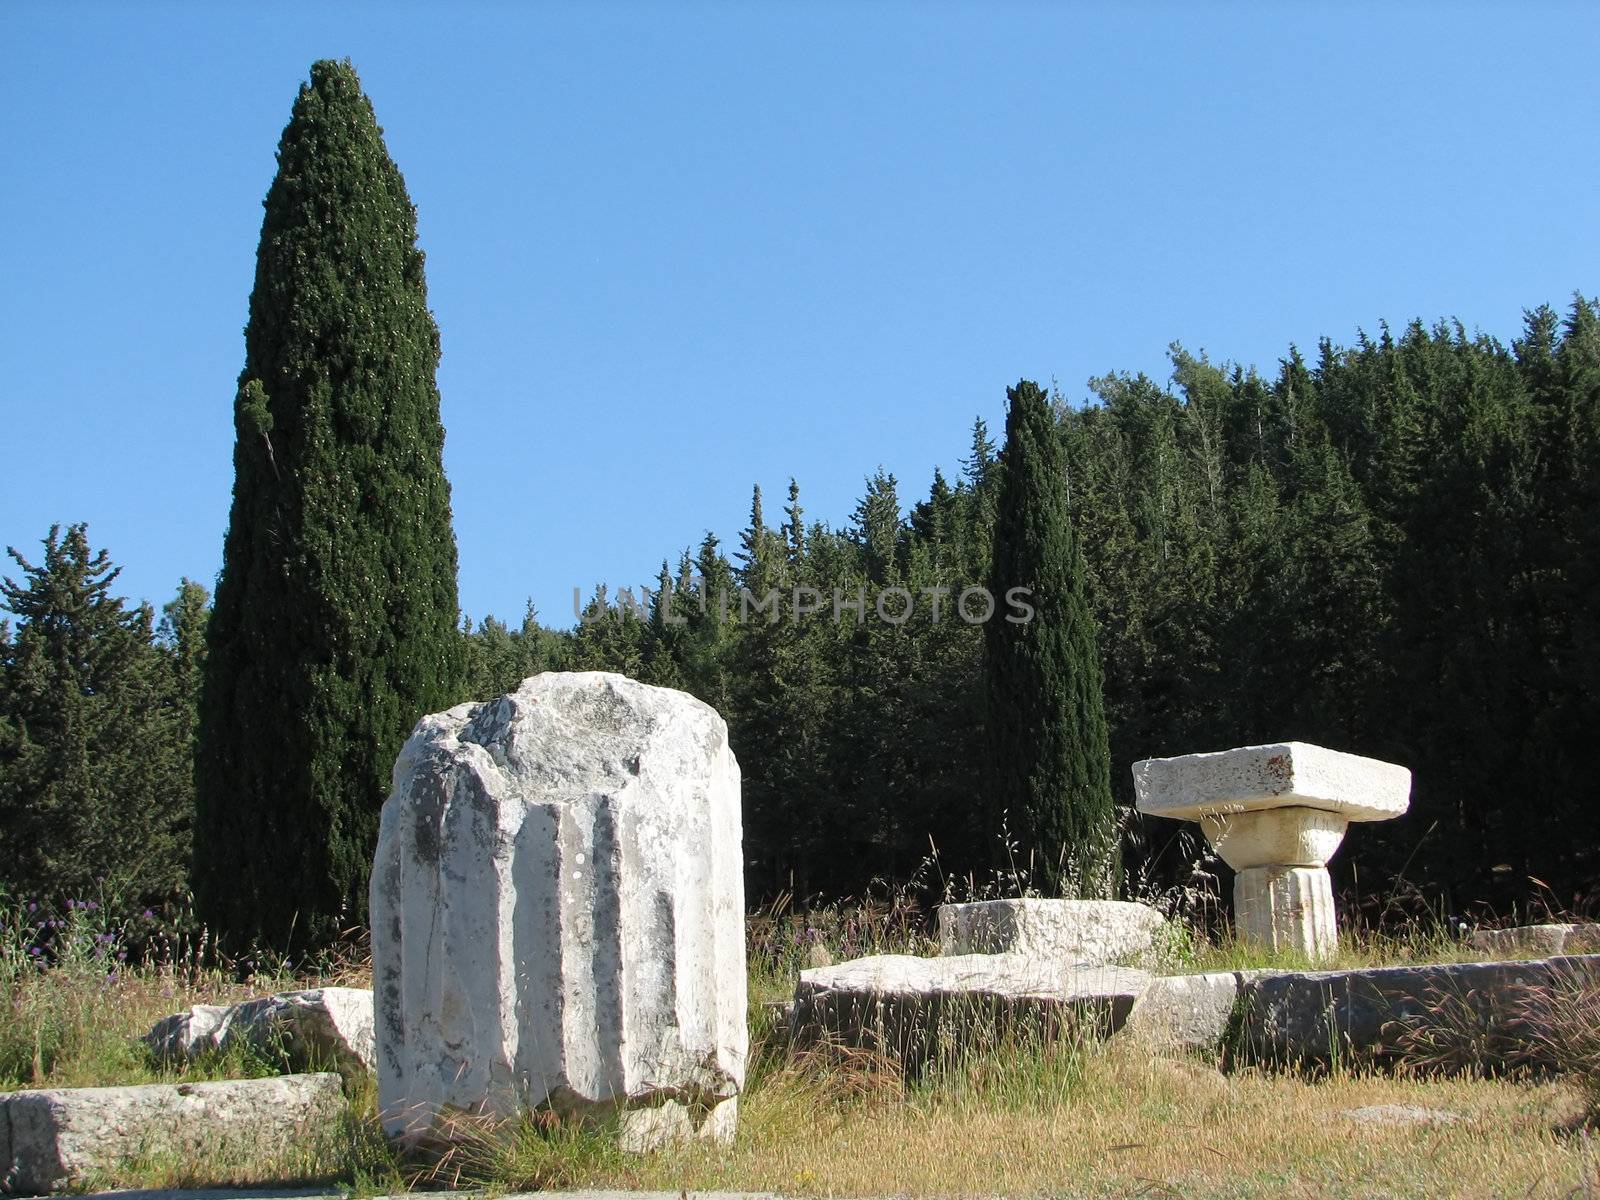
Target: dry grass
[1567, 1033]
[1121, 1123]
[324, 1154]
[1020, 1119]
[1081, 1120]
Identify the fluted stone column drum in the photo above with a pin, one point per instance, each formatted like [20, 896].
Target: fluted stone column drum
[558, 914]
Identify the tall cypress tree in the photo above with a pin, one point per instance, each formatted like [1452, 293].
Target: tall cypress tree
[1050, 765]
[334, 627]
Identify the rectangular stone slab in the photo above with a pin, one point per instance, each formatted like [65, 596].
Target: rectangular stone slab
[913, 1008]
[1279, 775]
[1538, 940]
[66, 1136]
[1088, 932]
[1374, 1014]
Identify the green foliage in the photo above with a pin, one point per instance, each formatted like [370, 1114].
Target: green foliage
[610, 636]
[1378, 553]
[499, 658]
[1390, 549]
[335, 623]
[1049, 761]
[95, 727]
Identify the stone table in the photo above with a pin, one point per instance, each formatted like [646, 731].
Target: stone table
[1276, 814]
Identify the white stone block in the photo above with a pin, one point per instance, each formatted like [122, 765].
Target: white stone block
[558, 913]
[1186, 1012]
[327, 1026]
[68, 1137]
[1090, 932]
[1279, 775]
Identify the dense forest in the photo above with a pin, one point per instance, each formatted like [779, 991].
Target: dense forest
[1390, 549]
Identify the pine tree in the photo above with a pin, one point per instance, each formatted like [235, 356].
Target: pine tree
[94, 754]
[878, 530]
[707, 596]
[499, 657]
[761, 692]
[663, 634]
[977, 469]
[335, 623]
[181, 641]
[182, 634]
[611, 633]
[1049, 758]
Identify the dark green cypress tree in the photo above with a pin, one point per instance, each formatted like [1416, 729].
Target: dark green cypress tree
[1050, 766]
[335, 622]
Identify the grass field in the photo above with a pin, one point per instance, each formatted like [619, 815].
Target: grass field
[1061, 1119]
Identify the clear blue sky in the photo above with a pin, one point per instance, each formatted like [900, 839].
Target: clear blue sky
[676, 249]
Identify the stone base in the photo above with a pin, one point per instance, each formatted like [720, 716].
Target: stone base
[1286, 909]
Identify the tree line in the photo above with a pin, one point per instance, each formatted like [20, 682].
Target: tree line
[1391, 549]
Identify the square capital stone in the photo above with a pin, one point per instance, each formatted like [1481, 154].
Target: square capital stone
[1280, 775]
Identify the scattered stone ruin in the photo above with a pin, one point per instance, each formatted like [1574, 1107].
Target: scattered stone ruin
[558, 922]
[1276, 814]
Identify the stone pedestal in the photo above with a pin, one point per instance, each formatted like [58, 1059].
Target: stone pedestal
[1276, 814]
[558, 914]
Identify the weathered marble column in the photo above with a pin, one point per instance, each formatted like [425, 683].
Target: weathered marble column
[558, 914]
[1276, 814]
